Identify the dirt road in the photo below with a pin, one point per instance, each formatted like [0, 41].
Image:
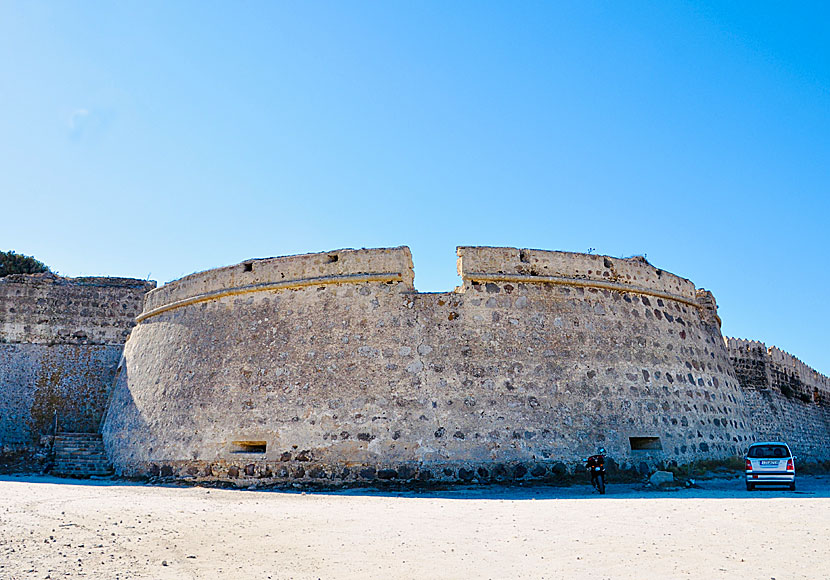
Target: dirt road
[52, 528]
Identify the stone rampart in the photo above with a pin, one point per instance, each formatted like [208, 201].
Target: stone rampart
[309, 368]
[788, 400]
[48, 309]
[60, 343]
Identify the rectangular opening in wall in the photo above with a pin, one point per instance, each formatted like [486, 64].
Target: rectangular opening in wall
[248, 267]
[248, 446]
[645, 443]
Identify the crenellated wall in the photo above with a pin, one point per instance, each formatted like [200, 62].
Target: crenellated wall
[60, 343]
[788, 400]
[330, 367]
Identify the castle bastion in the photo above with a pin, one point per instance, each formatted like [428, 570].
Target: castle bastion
[330, 367]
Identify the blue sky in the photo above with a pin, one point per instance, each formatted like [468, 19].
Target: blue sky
[161, 138]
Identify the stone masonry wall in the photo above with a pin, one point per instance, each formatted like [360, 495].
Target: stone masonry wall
[42, 383]
[788, 400]
[331, 368]
[48, 309]
[60, 343]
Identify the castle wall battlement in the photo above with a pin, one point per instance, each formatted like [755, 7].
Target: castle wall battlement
[387, 265]
[632, 274]
[736, 344]
[784, 362]
[794, 366]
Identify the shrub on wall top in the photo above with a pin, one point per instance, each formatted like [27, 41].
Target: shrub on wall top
[14, 263]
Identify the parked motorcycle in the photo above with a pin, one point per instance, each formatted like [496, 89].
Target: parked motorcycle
[596, 466]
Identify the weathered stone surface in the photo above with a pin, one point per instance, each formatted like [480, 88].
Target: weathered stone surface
[538, 354]
[60, 343]
[49, 309]
[368, 473]
[788, 400]
[387, 474]
[40, 383]
[466, 474]
[659, 478]
[424, 475]
[340, 371]
[406, 472]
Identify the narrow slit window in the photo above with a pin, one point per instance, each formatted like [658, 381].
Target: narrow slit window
[248, 446]
[645, 444]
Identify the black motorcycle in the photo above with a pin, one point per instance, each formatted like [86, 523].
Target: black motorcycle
[596, 466]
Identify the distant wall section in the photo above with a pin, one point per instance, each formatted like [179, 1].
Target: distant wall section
[49, 309]
[787, 400]
[60, 343]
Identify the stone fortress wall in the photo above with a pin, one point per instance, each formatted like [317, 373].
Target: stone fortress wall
[788, 400]
[331, 367]
[60, 343]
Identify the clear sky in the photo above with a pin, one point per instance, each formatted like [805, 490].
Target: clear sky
[161, 138]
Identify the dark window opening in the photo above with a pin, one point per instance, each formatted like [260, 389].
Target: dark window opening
[248, 267]
[645, 444]
[524, 256]
[248, 446]
[333, 258]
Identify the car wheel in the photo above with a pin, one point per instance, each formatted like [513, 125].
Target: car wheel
[750, 486]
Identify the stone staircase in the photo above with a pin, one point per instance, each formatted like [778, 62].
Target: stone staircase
[80, 455]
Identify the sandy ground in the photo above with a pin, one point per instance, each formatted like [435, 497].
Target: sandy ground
[53, 528]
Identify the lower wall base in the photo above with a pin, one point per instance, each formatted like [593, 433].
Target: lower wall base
[24, 459]
[313, 474]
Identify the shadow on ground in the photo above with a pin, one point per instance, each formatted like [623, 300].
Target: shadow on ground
[808, 486]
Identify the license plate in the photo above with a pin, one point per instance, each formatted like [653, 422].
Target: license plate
[769, 463]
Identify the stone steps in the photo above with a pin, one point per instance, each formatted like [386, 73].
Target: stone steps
[80, 455]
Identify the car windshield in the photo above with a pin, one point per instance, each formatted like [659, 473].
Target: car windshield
[768, 452]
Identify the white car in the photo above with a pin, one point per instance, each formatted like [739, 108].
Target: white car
[770, 463]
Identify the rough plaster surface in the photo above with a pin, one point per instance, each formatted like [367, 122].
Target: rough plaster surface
[523, 371]
[38, 381]
[60, 342]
